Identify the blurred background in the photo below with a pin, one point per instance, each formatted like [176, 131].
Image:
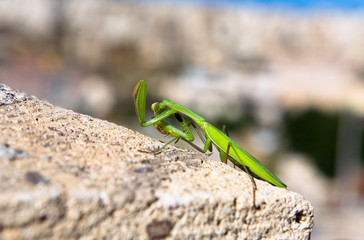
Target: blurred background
[286, 77]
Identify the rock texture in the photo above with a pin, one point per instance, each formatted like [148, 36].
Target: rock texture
[66, 175]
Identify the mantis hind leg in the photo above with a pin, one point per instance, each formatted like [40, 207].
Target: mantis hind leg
[246, 169]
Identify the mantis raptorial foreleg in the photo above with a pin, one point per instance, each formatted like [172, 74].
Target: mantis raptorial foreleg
[187, 131]
[186, 135]
[139, 96]
[168, 129]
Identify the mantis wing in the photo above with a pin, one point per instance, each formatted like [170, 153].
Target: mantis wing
[241, 157]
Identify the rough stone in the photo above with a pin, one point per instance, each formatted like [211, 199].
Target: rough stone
[66, 175]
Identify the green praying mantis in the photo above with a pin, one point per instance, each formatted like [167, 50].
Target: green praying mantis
[227, 148]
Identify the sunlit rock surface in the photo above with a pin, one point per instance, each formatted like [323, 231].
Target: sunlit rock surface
[67, 175]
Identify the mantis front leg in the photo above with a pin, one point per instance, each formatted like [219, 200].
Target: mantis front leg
[139, 97]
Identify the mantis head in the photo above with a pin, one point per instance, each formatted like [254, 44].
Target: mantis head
[156, 108]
